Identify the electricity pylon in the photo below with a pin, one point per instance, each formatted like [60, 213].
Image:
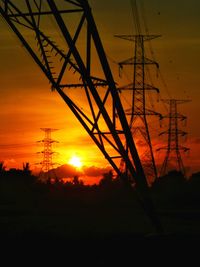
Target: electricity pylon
[139, 110]
[47, 162]
[77, 68]
[173, 148]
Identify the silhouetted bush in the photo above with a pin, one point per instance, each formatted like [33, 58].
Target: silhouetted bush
[170, 189]
[193, 186]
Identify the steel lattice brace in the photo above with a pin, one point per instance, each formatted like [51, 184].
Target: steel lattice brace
[70, 67]
[173, 148]
[139, 110]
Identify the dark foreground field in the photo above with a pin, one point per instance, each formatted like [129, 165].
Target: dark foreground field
[101, 226]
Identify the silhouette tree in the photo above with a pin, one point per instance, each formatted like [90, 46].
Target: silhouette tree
[26, 168]
[170, 189]
[193, 185]
[76, 181]
[107, 179]
[2, 167]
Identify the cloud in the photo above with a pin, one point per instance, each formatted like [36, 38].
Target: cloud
[68, 171]
[9, 162]
[95, 171]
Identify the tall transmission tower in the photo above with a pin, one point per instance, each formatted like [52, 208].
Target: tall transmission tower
[139, 110]
[47, 162]
[173, 148]
[77, 68]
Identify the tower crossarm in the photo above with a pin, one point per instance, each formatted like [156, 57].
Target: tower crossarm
[97, 82]
[130, 87]
[138, 61]
[173, 148]
[185, 149]
[173, 131]
[132, 38]
[181, 132]
[140, 112]
[181, 116]
[175, 116]
[162, 148]
[49, 140]
[177, 101]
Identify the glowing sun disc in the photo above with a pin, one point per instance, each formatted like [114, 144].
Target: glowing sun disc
[75, 161]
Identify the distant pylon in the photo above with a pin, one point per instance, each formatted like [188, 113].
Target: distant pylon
[47, 162]
[138, 112]
[139, 108]
[173, 148]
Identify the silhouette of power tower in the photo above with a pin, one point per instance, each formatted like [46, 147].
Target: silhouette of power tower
[47, 162]
[78, 69]
[173, 148]
[139, 110]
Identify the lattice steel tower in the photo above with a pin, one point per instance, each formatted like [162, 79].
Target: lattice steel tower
[173, 148]
[139, 110]
[73, 59]
[47, 162]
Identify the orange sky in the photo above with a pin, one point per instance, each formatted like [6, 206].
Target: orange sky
[27, 103]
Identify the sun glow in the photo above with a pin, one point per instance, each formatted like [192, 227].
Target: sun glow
[75, 161]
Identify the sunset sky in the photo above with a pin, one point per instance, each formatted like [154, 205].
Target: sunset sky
[27, 103]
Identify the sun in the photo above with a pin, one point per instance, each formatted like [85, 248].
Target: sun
[75, 161]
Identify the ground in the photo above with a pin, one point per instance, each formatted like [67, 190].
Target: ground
[94, 224]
